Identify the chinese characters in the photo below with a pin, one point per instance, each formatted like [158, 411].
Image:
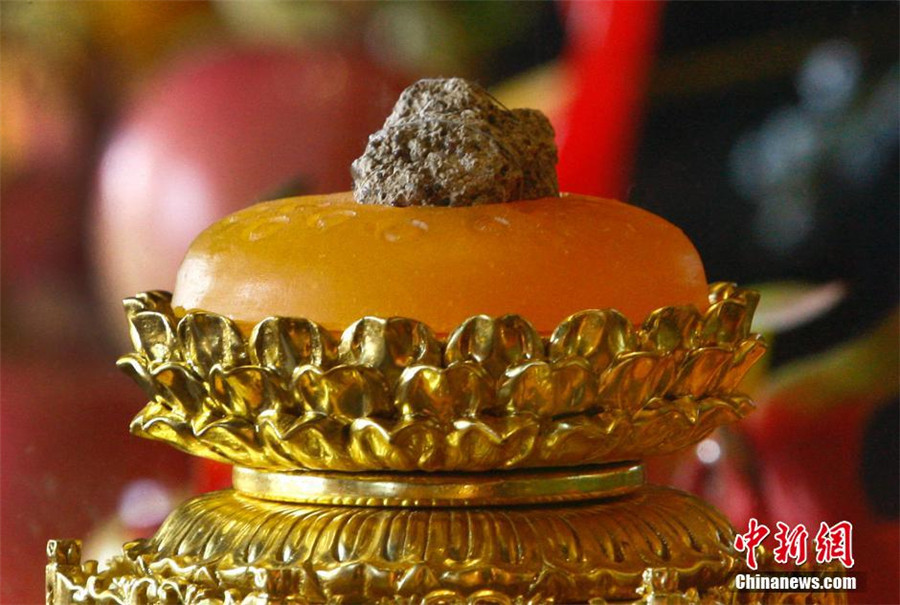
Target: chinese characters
[831, 543]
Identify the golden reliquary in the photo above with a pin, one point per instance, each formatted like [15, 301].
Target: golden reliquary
[445, 403]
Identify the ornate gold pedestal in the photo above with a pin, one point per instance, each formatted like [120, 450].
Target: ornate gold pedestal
[228, 545]
[393, 466]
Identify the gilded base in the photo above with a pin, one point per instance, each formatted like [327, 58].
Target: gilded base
[231, 547]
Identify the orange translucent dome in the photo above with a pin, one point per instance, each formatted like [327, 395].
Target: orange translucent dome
[331, 260]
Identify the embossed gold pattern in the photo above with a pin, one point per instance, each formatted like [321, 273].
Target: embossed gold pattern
[390, 395]
[224, 548]
[362, 554]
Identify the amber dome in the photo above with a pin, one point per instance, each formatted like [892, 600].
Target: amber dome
[331, 260]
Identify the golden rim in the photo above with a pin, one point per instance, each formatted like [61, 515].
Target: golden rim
[441, 489]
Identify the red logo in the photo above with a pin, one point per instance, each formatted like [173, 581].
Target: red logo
[835, 542]
[749, 541]
[832, 543]
[792, 543]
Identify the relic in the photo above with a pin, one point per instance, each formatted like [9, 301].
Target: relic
[447, 401]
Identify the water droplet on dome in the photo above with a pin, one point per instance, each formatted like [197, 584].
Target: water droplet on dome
[491, 224]
[329, 218]
[404, 230]
[267, 227]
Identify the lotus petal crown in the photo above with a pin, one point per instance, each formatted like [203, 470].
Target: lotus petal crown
[390, 394]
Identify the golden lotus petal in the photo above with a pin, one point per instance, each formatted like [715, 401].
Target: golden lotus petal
[157, 423]
[280, 418]
[749, 298]
[679, 366]
[179, 387]
[501, 442]
[284, 343]
[271, 427]
[665, 428]
[495, 344]
[633, 379]
[460, 391]
[243, 391]
[475, 445]
[741, 404]
[233, 439]
[596, 335]
[722, 290]
[171, 431]
[371, 446]
[421, 442]
[389, 345]
[152, 410]
[701, 371]
[314, 442]
[670, 329]
[727, 321]
[154, 300]
[747, 353]
[152, 335]
[717, 412]
[344, 392]
[135, 367]
[210, 339]
[582, 440]
[549, 389]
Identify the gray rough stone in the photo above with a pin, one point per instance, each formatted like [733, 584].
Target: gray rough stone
[448, 142]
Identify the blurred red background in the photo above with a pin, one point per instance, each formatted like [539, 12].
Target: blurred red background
[768, 132]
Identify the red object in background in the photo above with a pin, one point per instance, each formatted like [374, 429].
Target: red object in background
[811, 465]
[799, 468]
[218, 131]
[40, 228]
[799, 458]
[45, 138]
[608, 56]
[209, 475]
[65, 458]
